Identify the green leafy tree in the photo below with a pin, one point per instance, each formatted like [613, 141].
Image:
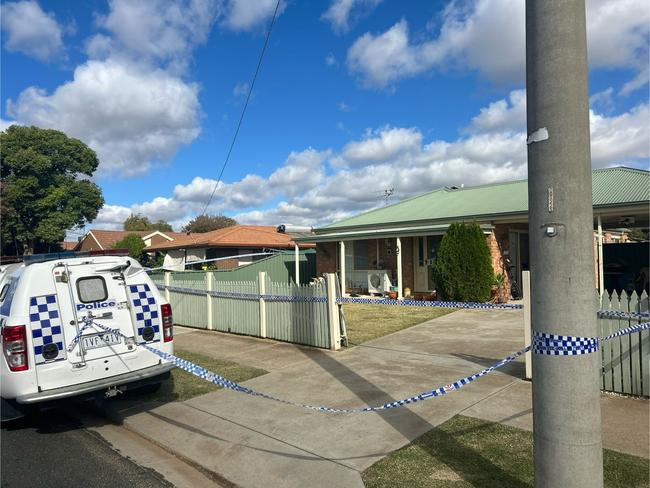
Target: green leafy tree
[135, 245]
[207, 223]
[162, 226]
[45, 188]
[463, 266]
[138, 222]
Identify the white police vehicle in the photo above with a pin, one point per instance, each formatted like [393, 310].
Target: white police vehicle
[54, 312]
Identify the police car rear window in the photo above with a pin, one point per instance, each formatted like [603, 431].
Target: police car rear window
[92, 289]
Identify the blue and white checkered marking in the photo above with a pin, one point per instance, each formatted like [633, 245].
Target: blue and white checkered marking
[560, 345]
[46, 327]
[145, 311]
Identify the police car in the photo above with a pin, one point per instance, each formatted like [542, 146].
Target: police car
[71, 326]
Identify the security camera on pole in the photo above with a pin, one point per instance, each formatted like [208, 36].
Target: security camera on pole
[566, 388]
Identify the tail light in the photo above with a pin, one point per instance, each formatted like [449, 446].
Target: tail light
[14, 347]
[167, 322]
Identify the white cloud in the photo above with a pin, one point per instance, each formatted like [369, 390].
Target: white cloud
[317, 187]
[248, 14]
[343, 107]
[4, 124]
[502, 115]
[157, 31]
[301, 170]
[340, 11]
[241, 89]
[639, 81]
[489, 36]
[111, 217]
[31, 31]
[379, 146]
[603, 100]
[117, 109]
[380, 60]
[330, 59]
[620, 139]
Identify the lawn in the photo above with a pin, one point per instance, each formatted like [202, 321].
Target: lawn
[183, 386]
[475, 453]
[367, 322]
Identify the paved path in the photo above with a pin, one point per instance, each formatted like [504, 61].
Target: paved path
[258, 443]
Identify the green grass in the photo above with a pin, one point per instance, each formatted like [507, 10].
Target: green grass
[183, 386]
[367, 322]
[467, 452]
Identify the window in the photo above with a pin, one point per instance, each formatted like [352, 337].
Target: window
[8, 296]
[360, 251]
[3, 293]
[92, 289]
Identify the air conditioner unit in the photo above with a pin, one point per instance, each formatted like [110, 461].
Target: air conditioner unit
[378, 281]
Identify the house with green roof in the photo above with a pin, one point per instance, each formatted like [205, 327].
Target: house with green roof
[394, 246]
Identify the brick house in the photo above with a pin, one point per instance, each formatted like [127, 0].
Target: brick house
[399, 241]
[99, 239]
[237, 240]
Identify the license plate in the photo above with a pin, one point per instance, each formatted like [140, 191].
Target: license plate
[100, 340]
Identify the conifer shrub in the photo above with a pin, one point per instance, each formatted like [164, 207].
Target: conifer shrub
[463, 270]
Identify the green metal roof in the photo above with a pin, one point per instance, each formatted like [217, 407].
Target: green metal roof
[611, 187]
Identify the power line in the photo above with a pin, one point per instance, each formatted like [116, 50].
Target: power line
[248, 97]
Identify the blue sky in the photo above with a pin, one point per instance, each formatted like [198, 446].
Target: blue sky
[354, 97]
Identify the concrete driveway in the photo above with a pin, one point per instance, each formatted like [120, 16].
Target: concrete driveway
[254, 442]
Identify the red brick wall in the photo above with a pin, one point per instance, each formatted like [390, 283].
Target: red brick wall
[89, 244]
[326, 257]
[158, 239]
[227, 264]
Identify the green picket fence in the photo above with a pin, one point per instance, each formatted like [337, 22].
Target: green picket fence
[301, 319]
[300, 322]
[626, 359]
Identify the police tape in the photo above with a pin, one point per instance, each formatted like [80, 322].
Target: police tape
[543, 343]
[244, 296]
[602, 314]
[433, 303]
[620, 314]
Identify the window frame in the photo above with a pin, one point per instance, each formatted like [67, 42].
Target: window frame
[87, 278]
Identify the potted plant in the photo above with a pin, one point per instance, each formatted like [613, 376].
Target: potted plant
[498, 293]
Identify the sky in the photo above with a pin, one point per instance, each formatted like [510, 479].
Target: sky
[354, 97]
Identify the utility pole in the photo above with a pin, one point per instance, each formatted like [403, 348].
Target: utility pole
[566, 389]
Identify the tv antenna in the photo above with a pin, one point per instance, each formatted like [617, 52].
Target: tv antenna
[388, 192]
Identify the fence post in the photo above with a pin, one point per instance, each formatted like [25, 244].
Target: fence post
[525, 278]
[208, 276]
[261, 280]
[333, 312]
[168, 281]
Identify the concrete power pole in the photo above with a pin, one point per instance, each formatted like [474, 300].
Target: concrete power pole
[566, 389]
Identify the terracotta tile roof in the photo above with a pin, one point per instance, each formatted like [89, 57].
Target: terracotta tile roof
[106, 238]
[234, 236]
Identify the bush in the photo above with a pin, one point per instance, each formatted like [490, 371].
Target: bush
[135, 245]
[463, 267]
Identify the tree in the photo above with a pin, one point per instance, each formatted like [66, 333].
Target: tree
[207, 223]
[162, 226]
[43, 189]
[135, 245]
[463, 267]
[138, 222]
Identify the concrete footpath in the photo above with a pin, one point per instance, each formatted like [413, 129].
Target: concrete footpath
[253, 442]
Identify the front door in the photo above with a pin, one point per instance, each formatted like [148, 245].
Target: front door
[424, 254]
